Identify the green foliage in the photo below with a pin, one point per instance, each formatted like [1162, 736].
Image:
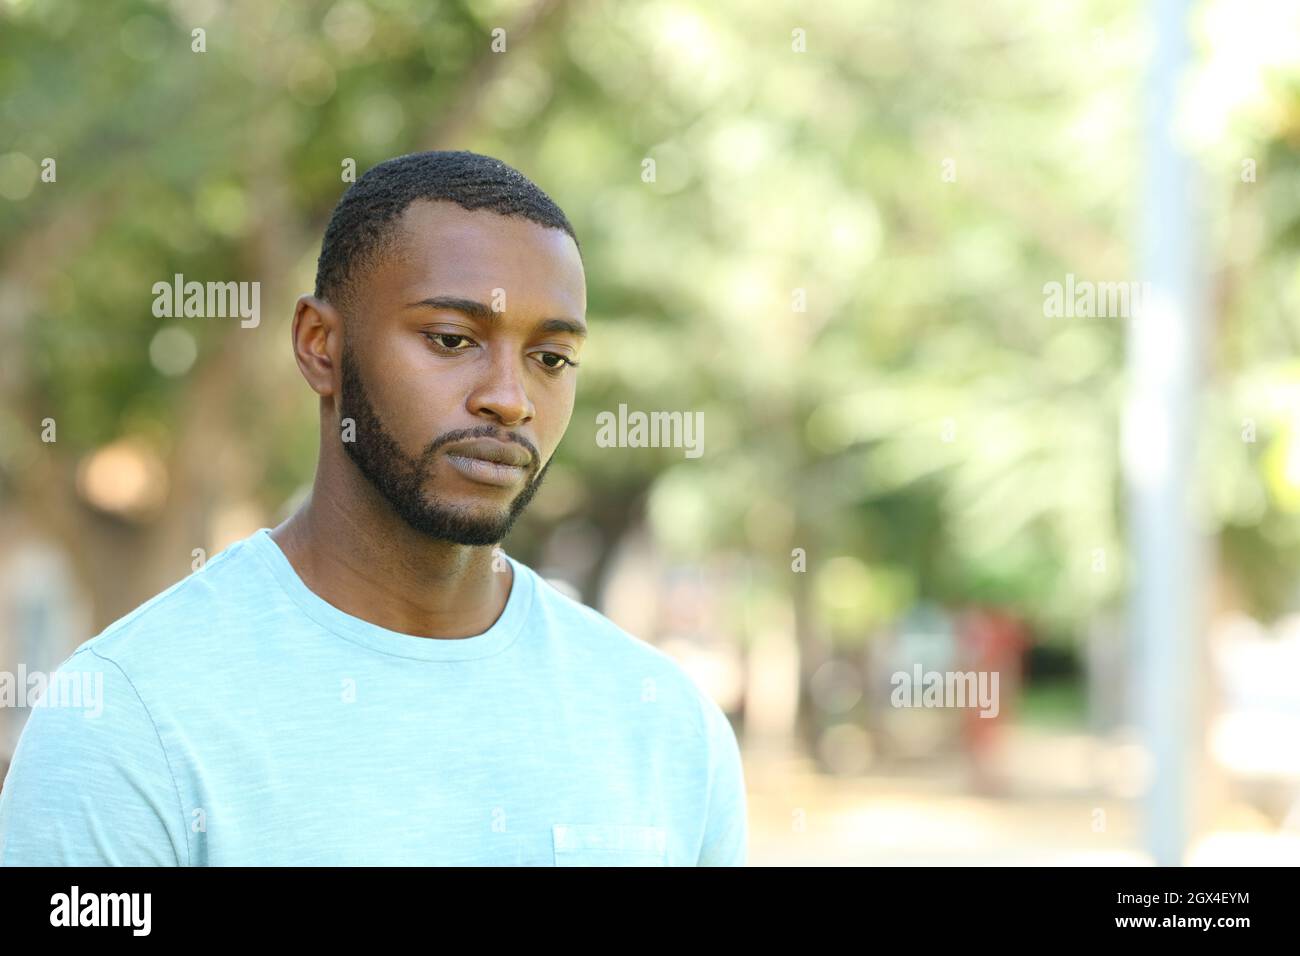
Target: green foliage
[922, 415]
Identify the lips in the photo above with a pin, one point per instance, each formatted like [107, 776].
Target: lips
[488, 449]
[490, 462]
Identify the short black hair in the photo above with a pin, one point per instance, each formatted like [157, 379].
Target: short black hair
[360, 229]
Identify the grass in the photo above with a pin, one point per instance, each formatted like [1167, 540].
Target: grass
[1061, 703]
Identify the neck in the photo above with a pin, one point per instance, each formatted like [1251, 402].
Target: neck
[354, 551]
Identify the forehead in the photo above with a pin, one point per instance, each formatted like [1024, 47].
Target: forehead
[444, 248]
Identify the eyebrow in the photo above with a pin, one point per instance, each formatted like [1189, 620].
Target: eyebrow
[477, 310]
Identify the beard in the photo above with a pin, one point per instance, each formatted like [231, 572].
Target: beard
[401, 479]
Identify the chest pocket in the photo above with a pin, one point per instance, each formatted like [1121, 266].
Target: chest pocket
[609, 844]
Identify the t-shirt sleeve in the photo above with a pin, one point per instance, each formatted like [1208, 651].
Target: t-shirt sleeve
[89, 784]
[726, 836]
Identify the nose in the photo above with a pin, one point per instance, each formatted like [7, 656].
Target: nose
[501, 396]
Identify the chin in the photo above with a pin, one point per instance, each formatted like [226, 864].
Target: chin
[474, 535]
[462, 523]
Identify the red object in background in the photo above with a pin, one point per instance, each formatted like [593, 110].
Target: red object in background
[990, 640]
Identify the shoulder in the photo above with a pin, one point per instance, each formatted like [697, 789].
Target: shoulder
[163, 629]
[591, 640]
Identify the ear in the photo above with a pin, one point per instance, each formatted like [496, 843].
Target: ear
[318, 343]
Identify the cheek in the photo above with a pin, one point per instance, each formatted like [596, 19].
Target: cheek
[559, 412]
[410, 399]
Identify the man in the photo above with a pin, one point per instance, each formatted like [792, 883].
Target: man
[372, 682]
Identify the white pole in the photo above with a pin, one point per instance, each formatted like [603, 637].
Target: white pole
[1164, 350]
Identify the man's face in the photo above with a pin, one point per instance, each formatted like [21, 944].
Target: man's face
[430, 381]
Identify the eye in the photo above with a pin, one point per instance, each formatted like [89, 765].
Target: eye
[440, 339]
[558, 365]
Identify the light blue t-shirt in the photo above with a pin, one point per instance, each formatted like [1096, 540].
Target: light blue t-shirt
[241, 719]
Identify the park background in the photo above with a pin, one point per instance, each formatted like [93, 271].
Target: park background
[841, 261]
